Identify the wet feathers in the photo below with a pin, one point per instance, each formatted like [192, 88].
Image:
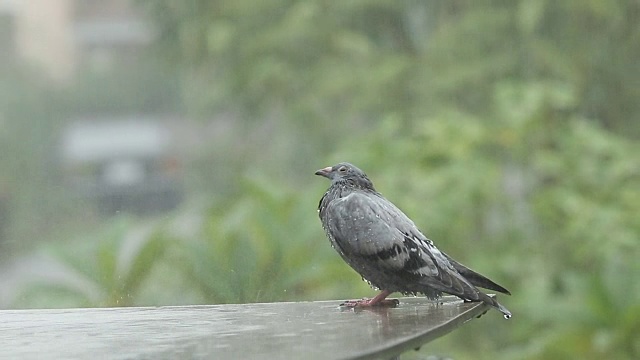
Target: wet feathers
[383, 245]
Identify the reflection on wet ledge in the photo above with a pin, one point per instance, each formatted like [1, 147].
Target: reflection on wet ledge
[310, 330]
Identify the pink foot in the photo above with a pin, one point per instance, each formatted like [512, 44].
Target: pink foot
[370, 303]
[378, 300]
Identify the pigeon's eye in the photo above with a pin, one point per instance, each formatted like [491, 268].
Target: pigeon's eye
[343, 169]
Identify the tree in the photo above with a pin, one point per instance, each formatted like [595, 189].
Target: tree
[510, 120]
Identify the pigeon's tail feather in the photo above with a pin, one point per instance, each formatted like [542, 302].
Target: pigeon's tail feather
[493, 302]
[475, 278]
[481, 281]
[505, 312]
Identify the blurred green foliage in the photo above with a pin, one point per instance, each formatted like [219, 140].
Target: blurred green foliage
[506, 129]
[107, 269]
[312, 60]
[261, 247]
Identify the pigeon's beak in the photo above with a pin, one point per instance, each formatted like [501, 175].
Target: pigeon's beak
[326, 172]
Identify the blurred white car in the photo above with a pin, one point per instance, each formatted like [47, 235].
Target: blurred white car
[123, 164]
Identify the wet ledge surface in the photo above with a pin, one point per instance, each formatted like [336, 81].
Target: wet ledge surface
[301, 330]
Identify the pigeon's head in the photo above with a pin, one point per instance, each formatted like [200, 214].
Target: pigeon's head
[346, 173]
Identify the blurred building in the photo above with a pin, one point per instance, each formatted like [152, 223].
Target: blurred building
[123, 164]
[7, 30]
[63, 36]
[119, 157]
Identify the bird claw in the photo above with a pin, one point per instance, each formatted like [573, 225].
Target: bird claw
[370, 303]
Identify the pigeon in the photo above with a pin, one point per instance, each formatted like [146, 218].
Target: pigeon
[386, 248]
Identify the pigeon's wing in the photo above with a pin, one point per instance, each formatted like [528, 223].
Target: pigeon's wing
[358, 226]
[367, 227]
[447, 279]
[475, 278]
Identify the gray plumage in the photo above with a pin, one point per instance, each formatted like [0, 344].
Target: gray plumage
[384, 246]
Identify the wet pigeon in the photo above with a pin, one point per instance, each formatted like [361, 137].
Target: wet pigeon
[384, 246]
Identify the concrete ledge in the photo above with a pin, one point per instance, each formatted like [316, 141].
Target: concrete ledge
[302, 330]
